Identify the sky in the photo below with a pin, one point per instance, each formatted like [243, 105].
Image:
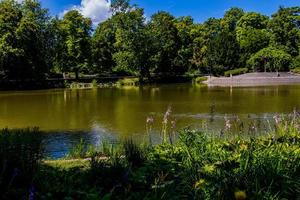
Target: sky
[200, 10]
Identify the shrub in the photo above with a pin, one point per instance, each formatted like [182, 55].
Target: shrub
[200, 79]
[20, 155]
[296, 70]
[128, 82]
[133, 153]
[236, 72]
[270, 59]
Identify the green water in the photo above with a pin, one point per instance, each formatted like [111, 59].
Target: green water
[111, 113]
[123, 111]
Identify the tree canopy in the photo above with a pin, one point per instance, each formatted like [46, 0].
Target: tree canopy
[34, 45]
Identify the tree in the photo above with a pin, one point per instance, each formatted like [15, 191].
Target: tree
[223, 53]
[203, 34]
[132, 52]
[285, 29]
[165, 43]
[103, 48]
[184, 56]
[75, 52]
[231, 18]
[270, 59]
[252, 33]
[24, 40]
[120, 6]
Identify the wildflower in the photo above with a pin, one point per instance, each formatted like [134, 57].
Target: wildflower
[240, 195]
[277, 119]
[167, 115]
[227, 123]
[173, 124]
[150, 120]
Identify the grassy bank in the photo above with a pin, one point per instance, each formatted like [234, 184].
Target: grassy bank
[196, 166]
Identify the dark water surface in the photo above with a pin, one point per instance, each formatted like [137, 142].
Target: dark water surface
[94, 114]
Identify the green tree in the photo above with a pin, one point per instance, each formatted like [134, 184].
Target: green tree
[165, 39]
[252, 34]
[184, 56]
[10, 16]
[231, 18]
[75, 51]
[223, 53]
[131, 44]
[270, 59]
[285, 29]
[103, 47]
[24, 40]
[202, 35]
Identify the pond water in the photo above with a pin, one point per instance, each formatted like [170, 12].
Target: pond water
[94, 114]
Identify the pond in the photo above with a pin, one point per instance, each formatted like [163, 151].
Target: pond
[109, 113]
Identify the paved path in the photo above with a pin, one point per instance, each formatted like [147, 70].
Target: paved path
[255, 79]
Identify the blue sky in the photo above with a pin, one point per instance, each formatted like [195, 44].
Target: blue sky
[200, 10]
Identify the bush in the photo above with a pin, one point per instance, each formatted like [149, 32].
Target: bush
[236, 72]
[296, 70]
[20, 154]
[128, 82]
[270, 59]
[200, 79]
[296, 63]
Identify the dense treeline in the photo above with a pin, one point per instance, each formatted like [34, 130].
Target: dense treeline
[34, 45]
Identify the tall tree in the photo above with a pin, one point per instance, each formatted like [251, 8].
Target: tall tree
[252, 33]
[285, 29]
[131, 44]
[183, 60]
[75, 52]
[165, 43]
[24, 40]
[103, 41]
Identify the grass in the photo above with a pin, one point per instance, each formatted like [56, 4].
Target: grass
[20, 155]
[200, 79]
[195, 166]
[296, 70]
[236, 72]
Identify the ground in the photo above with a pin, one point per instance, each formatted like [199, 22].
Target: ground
[256, 79]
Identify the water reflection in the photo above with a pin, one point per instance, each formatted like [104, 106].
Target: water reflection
[122, 112]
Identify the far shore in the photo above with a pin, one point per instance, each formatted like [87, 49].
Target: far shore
[255, 79]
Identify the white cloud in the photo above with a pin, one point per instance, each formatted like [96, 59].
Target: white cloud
[97, 10]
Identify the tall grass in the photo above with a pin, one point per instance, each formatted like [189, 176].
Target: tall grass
[198, 166]
[20, 154]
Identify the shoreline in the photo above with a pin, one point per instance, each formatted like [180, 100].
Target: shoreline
[255, 79]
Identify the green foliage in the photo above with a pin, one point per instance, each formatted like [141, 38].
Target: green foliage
[252, 33]
[197, 166]
[270, 59]
[34, 45]
[200, 79]
[24, 40]
[296, 70]
[296, 63]
[284, 27]
[236, 72]
[78, 151]
[74, 54]
[163, 30]
[133, 154]
[128, 82]
[20, 155]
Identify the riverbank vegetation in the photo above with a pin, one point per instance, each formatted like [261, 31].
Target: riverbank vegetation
[35, 45]
[195, 166]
